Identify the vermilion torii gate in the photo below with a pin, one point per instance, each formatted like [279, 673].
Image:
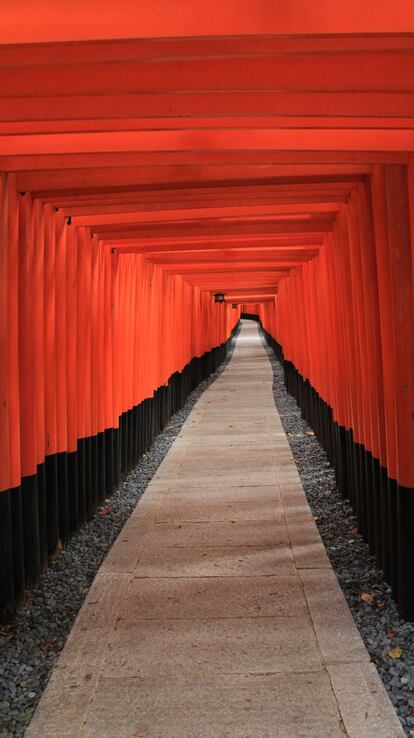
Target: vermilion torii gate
[152, 157]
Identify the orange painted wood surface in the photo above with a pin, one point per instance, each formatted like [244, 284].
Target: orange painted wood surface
[257, 152]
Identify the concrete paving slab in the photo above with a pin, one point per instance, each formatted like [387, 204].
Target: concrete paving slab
[90, 632]
[214, 597]
[220, 492]
[307, 547]
[219, 533]
[65, 703]
[250, 466]
[220, 707]
[230, 455]
[251, 561]
[297, 507]
[219, 510]
[335, 630]
[363, 702]
[216, 613]
[232, 428]
[227, 478]
[211, 646]
[264, 440]
[124, 554]
[150, 502]
[216, 414]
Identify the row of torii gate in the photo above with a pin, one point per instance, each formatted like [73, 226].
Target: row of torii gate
[150, 159]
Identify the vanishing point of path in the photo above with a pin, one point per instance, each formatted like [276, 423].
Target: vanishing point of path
[216, 614]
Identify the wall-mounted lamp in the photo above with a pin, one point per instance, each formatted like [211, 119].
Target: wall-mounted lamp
[234, 305]
[219, 297]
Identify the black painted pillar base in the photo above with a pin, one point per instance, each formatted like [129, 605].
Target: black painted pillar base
[73, 490]
[63, 495]
[42, 511]
[52, 514]
[405, 517]
[8, 596]
[26, 525]
[109, 460]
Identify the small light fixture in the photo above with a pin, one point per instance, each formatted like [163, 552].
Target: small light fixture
[234, 305]
[218, 297]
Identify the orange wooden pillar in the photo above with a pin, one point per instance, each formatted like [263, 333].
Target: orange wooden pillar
[71, 374]
[12, 575]
[374, 431]
[38, 328]
[51, 471]
[61, 376]
[28, 298]
[394, 264]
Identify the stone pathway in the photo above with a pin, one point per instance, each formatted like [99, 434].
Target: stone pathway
[216, 614]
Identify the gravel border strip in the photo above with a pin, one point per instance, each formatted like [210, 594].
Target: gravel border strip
[31, 644]
[376, 616]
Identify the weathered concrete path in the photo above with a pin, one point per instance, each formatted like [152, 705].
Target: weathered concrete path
[216, 613]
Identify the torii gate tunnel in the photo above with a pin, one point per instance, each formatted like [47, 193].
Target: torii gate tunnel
[156, 154]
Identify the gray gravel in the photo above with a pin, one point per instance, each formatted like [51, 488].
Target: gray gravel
[30, 646]
[379, 624]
